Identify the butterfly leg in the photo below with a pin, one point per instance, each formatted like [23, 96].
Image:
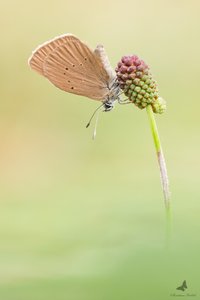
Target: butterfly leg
[124, 101]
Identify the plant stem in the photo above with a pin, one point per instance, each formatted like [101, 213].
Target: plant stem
[163, 172]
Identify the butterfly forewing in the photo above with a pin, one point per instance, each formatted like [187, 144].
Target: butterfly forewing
[36, 61]
[101, 54]
[73, 67]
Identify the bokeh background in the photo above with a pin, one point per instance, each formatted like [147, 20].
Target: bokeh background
[83, 219]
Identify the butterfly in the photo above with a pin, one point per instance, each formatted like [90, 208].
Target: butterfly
[183, 286]
[72, 66]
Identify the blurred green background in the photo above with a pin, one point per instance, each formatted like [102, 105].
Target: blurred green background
[83, 219]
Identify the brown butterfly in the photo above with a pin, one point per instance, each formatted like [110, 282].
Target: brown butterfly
[73, 67]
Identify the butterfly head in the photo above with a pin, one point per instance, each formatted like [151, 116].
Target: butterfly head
[113, 95]
[108, 105]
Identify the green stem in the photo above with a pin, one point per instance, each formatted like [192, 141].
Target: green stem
[162, 166]
[160, 156]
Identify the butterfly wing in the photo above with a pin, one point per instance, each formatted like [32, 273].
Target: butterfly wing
[101, 53]
[73, 67]
[38, 56]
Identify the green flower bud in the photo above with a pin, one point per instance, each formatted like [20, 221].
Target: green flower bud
[159, 106]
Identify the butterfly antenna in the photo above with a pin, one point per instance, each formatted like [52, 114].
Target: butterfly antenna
[88, 124]
[95, 127]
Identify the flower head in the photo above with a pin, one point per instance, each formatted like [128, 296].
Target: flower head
[136, 80]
